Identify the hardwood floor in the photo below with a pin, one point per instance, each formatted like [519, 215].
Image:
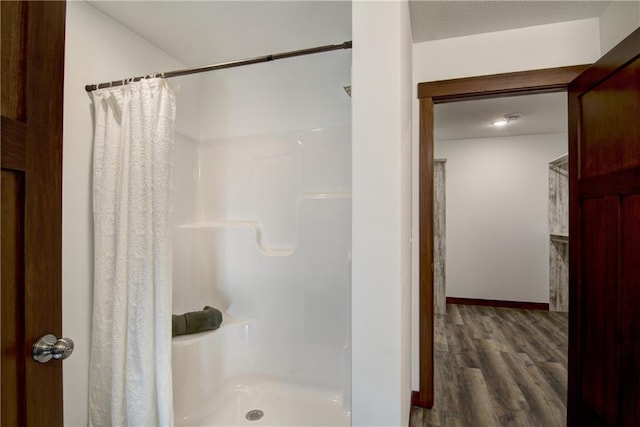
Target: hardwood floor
[498, 367]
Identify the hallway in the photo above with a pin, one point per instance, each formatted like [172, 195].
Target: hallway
[498, 367]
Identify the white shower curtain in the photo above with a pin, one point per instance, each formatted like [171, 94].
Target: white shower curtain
[130, 368]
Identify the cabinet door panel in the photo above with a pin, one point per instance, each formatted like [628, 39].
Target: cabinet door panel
[610, 140]
[599, 274]
[629, 291]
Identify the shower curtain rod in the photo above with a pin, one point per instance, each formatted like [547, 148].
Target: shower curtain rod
[222, 65]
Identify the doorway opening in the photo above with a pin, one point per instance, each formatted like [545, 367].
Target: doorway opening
[506, 192]
[511, 84]
[495, 362]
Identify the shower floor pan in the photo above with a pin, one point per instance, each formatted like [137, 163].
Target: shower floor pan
[257, 402]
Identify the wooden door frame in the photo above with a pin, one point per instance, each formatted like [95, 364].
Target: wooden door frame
[492, 86]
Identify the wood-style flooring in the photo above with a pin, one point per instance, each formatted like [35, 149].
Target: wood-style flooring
[498, 367]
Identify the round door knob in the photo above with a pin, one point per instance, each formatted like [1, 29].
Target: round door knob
[49, 347]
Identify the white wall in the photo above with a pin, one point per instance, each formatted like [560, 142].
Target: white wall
[381, 226]
[497, 192]
[545, 46]
[618, 20]
[97, 50]
[406, 71]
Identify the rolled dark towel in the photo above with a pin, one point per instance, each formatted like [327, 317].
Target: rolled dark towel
[193, 322]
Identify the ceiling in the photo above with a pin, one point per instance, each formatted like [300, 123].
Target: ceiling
[542, 113]
[434, 20]
[205, 32]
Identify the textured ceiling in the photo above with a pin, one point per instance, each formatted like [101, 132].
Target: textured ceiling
[543, 113]
[434, 20]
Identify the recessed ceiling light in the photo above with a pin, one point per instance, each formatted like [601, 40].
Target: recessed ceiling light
[508, 118]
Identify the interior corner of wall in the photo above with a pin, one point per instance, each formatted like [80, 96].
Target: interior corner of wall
[617, 21]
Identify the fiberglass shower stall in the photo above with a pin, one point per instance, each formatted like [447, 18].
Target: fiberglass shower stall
[263, 232]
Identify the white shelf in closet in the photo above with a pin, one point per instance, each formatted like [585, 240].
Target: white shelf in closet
[557, 237]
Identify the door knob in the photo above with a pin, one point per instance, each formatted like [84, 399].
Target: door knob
[48, 347]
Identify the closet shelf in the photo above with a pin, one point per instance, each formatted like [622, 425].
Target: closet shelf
[559, 237]
[560, 160]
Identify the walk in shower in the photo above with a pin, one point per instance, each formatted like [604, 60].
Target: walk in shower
[263, 233]
[259, 165]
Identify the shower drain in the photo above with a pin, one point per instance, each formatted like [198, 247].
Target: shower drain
[254, 415]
